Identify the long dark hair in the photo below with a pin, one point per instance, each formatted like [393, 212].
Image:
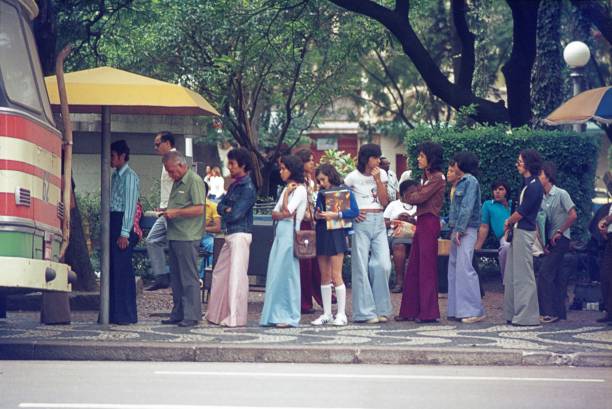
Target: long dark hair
[433, 152]
[304, 154]
[332, 174]
[242, 156]
[366, 152]
[467, 162]
[295, 166]
[532, 161]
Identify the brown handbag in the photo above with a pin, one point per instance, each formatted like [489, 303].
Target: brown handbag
[304, 242]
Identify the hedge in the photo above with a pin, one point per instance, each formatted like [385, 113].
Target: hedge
[575, 155]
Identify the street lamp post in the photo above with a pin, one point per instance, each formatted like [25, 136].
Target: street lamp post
[577, 55]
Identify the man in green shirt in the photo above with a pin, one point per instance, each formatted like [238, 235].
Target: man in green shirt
[185, 218]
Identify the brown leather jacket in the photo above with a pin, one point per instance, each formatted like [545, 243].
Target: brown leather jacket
[429, 196]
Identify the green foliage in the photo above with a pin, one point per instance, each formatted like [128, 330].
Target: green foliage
[89, 205]
[342, 161]
[575, 155]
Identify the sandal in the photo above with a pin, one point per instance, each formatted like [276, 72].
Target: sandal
[548, 319]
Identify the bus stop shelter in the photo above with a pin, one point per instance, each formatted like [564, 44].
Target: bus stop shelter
[107, 90]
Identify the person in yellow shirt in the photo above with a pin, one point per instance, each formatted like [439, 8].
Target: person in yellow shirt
[212, 225]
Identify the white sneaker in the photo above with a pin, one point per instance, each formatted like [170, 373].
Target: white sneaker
[473, 320]
[340, 320]
[322, 320]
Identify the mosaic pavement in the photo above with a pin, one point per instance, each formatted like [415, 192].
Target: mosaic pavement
[557, 338]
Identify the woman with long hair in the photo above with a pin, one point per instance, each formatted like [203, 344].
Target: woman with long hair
[217, 184]
[331, 245]
[420, 295]
[282, 299]
[310, 275]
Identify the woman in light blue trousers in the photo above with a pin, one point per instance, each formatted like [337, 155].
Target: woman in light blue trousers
[282, 299]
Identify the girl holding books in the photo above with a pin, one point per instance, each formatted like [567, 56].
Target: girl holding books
[282, 300]
[333, 214]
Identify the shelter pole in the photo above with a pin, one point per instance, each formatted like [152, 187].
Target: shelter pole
[105, 216]
[577, 76]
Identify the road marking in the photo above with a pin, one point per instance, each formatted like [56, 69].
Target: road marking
[145, 406]
[374, 376]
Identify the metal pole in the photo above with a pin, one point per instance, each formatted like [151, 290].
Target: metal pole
[577, 77]
[105, 216]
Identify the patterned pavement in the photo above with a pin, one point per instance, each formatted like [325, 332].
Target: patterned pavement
[565, 337]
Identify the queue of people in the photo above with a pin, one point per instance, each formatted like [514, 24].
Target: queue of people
[374, 206]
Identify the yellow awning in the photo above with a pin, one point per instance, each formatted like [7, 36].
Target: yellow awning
[126, 93]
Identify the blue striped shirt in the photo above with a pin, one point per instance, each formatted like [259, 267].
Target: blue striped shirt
[125, 189]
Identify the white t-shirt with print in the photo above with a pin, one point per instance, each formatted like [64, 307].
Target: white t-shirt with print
[364, 189]
[297, 203]
[396, 207]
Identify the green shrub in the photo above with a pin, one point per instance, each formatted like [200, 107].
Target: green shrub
[89, 206]
[575, 155]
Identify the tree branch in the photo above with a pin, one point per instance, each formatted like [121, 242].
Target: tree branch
[467, 39]
[439, 85]
[598, 14]
[402, 8]
[517, 70]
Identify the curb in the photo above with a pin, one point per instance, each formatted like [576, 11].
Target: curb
[164, 352]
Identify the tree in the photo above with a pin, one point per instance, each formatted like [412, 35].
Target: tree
[79, 23]
[517, 70]
[269, 67]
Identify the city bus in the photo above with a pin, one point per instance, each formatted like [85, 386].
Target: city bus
[31, 207]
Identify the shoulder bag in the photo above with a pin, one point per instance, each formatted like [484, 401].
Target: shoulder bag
[304, 242]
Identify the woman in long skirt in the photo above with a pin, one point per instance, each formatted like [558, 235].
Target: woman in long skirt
[310, 275]
[420, 294]
[282, 299]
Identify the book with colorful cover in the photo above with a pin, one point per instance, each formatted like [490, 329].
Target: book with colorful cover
[338, 201]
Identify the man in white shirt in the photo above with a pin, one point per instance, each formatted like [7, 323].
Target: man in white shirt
[156, 240]
[370, 275]
[392, 182]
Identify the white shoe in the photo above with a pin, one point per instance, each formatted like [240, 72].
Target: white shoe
[473, 320]
[340, 320]
[322, 320]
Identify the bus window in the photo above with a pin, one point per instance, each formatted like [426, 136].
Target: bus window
[15, 64]
[40, 82]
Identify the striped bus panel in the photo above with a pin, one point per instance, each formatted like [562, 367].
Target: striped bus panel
[30, 159]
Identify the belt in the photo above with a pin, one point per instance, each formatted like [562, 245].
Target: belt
[371, 210]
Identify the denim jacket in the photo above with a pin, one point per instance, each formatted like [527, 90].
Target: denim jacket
[240, 197]
[464, 209]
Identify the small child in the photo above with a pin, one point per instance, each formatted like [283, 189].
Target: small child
[399, 210]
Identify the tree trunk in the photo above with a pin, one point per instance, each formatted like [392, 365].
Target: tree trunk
[517, 70]
[547, 81]
[77, 255]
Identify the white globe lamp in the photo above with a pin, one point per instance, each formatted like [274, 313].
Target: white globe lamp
[576, 54]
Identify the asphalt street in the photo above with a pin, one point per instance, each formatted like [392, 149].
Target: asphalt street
[146, 385]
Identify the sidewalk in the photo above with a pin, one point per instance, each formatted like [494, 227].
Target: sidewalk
[579, 341]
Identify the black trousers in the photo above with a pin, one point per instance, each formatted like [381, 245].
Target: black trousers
[552, 283]
[605, 273]
[122, 280]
